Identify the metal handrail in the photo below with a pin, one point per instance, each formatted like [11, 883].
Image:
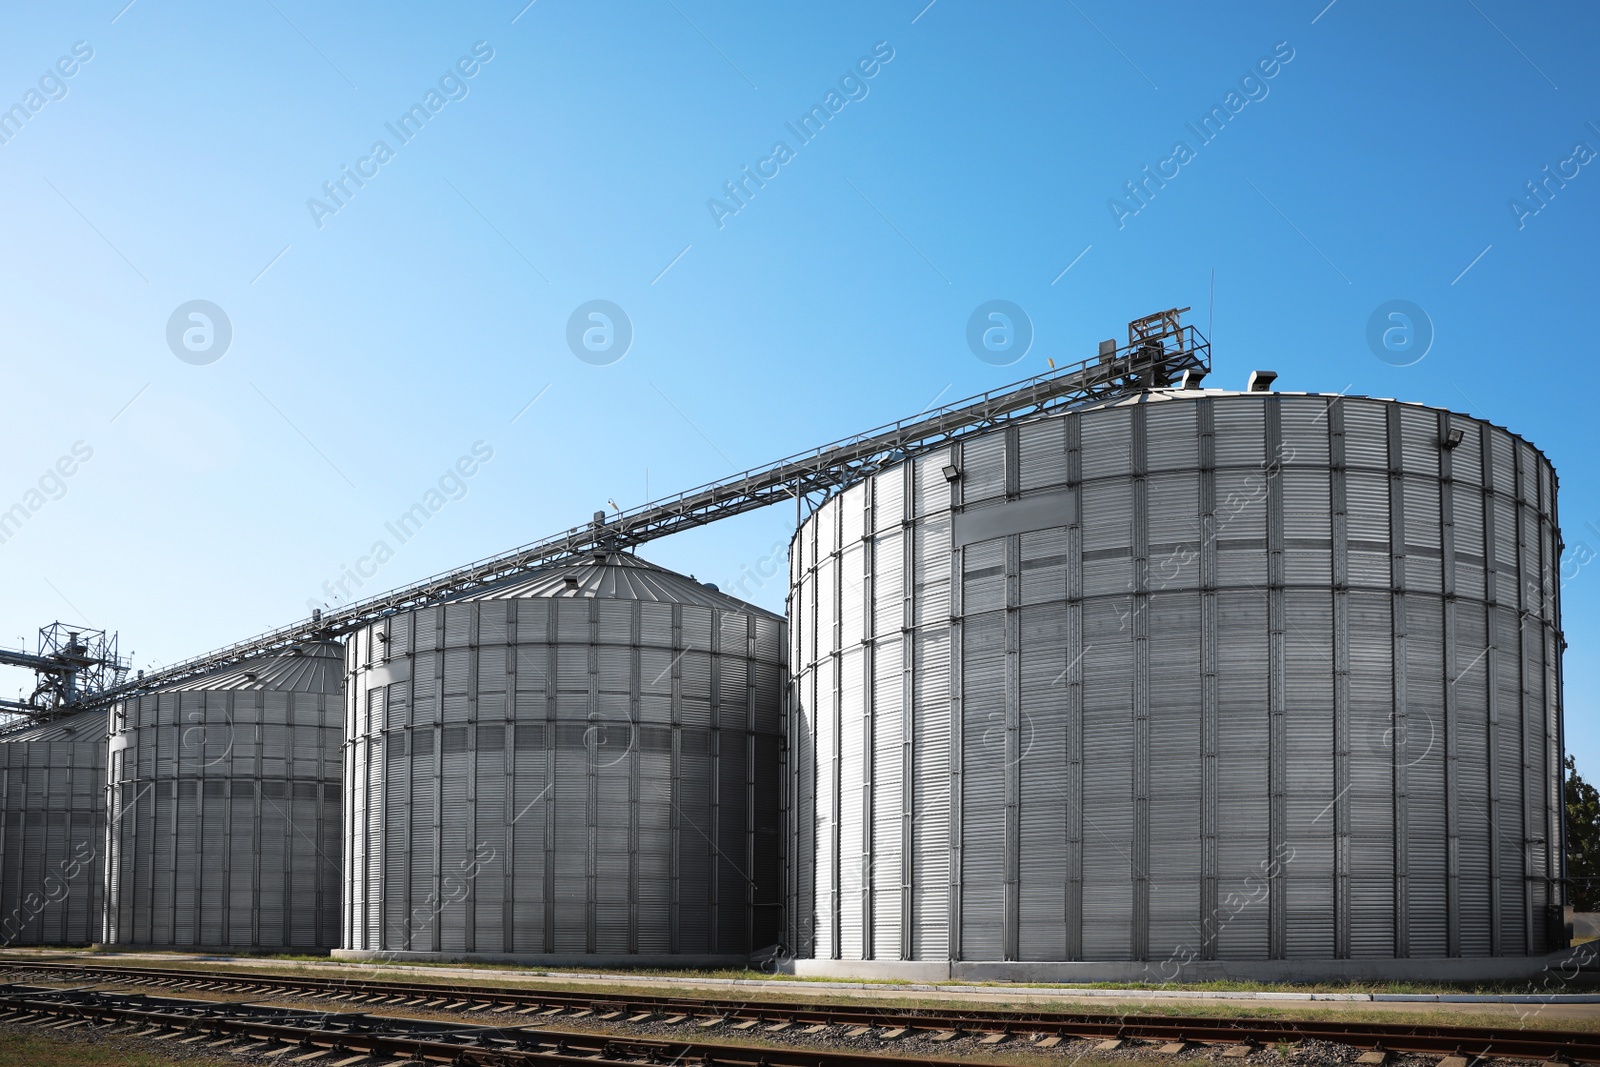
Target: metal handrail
[1132, 368]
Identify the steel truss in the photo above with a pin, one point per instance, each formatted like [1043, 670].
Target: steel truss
[1161, 353]
[72, 666]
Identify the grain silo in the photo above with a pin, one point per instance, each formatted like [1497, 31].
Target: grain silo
[223, 808]
[52, 796]
[1184, 683]
[578, 765]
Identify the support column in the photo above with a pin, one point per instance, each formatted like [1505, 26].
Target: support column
[1340, 530]
[1452, 743]
[1277, 728]
[957, 569]
[1140, 947]
[1074, 682]
[1399, 724]
[1205, 415]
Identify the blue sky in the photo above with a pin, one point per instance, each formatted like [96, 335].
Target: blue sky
[373, 346]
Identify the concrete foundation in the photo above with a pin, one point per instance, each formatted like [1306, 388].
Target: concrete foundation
[588, 962]
[1482, 969]
[211, 950]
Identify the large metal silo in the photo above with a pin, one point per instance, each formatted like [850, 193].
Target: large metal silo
[580, 765]
[52, 831]
[1191, 683]
[223, 808]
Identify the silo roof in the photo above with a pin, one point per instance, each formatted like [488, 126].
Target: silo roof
[1149, 396]
[314, 667]
[84, 726]
[614, 576]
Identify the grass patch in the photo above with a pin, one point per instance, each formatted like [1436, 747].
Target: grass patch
[1582, 983]
[22, 1049]
[818, 991]
[1579, 984]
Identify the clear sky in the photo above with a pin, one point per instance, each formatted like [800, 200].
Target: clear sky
[376, 333]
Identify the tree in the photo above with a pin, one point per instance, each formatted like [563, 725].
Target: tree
[1583, 840]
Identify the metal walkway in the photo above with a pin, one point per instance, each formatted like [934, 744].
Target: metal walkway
[1160, 353]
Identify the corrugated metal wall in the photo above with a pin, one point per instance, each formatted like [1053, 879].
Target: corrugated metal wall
[565, 776]
[1197, 676]
[52, 836]
[224, 820]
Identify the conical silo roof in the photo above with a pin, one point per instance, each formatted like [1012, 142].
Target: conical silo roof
[313, 667]
[614, 576]
[84, 726]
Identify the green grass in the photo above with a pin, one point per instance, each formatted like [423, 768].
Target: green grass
[1580, 984]
[817, 990]
[1498, 1016]
[19, 1049]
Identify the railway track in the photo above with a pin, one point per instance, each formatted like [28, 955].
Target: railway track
[346, 1039]
[944, 1030]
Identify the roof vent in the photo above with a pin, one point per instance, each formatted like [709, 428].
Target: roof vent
[711, 586]
[572, 581]
[1261, 381]
[1192, 378]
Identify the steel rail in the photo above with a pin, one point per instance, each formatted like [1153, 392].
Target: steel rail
[377, 1037]
[371, 1035]
[1551, 1045]
[1142, 365]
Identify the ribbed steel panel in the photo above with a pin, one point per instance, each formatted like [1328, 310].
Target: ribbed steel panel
[1191, 676]
[593, 781]
[225, 818]
[52, 832]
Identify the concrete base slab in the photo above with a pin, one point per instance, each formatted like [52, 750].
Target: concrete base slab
[896, 970]
[1065, 972]
[620, 963]
[218, 950]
